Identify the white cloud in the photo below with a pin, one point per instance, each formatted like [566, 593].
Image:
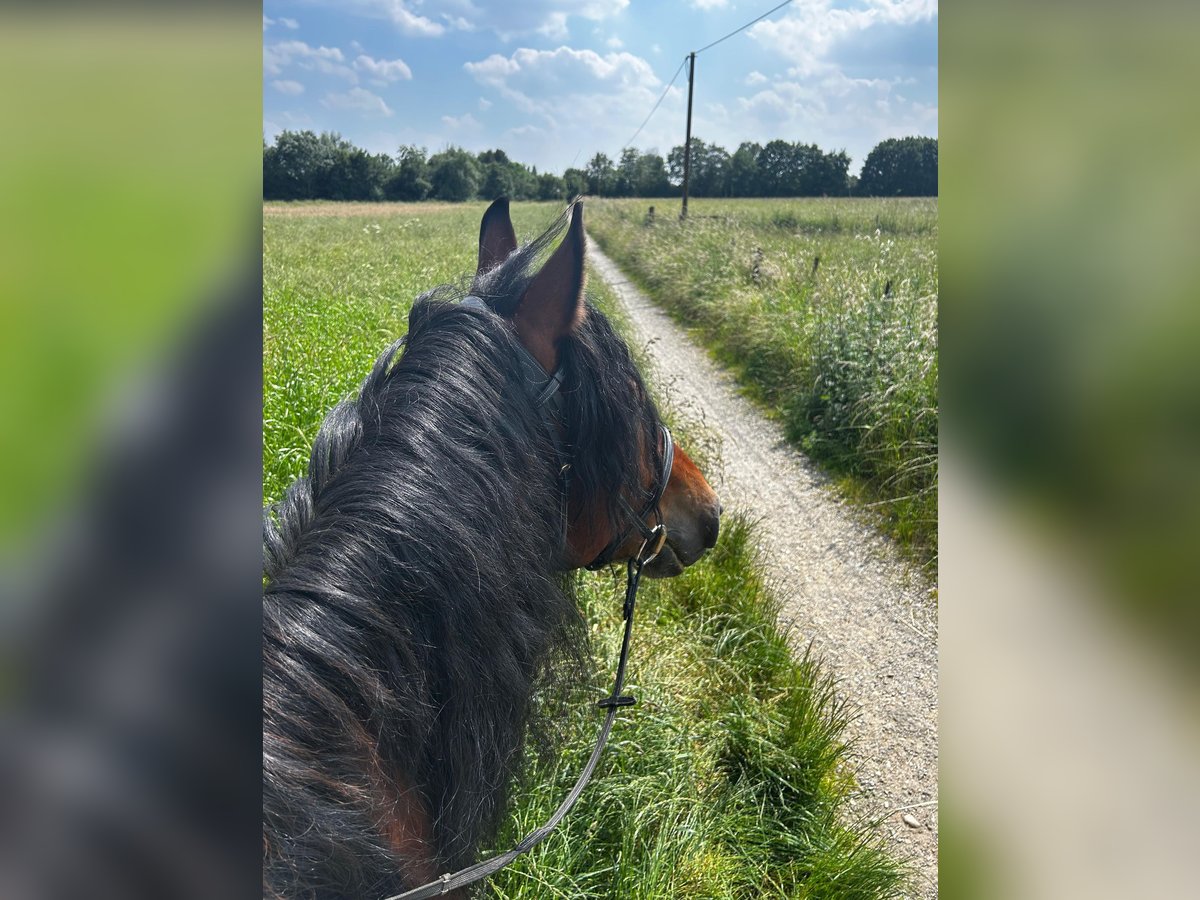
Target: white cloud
[327, 60]
[395, 11]
[289, 23]
[291, 88]
[781, 105]
[267, 23]
[838, 84]
[357, 100]
[554, 26]
[709, 4]
[756, 77]
[545, 17]
[464, 123]
[564, 70]
[615, 42]
[579, 97]
[807, 33]
[485, 103]
[383, 71]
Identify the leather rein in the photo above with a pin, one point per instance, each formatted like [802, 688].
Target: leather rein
[549, 401]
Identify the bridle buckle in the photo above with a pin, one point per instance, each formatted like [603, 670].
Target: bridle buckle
[654, 541]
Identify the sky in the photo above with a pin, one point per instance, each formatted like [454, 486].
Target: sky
[553, 82]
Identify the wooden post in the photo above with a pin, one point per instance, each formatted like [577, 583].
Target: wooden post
[687, 145]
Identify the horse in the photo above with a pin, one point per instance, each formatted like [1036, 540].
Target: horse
[416, 580]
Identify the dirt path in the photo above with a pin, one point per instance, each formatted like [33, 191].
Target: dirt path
[843, 586]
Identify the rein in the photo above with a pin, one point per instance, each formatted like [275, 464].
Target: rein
[613, 702]
[548, 396]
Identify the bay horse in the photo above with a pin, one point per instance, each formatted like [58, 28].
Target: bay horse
[415, 592]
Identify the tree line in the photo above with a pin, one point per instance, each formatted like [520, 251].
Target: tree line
[303, 165]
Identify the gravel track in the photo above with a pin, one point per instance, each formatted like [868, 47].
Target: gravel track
[844, 587]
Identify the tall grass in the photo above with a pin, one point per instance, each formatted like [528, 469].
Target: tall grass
[727, 780]
[828, 311]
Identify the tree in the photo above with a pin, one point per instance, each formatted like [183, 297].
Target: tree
[807, 166]
[550, 187]
[497, 181]
[834, 179]
[357, 175]
[777, 171]
[276, 184]
[712, 172]
[494, 156]
[496, 169]
[454, 175]
[410, 180]
[901, 167]
[601, 176]
[675, 165]
[783, 169]
[525, 182]
[626, 175]
[743, 171]
[299, 165]
[709, 176]
[650, 177]
[306, 165]
[575, 181]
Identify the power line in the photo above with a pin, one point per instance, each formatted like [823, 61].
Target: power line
[660, 100]
[744, 27]
[684, 62]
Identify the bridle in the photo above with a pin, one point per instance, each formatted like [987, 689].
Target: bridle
[654, 537]
[547, 397]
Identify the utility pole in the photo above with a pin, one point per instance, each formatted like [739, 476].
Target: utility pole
[687, 146]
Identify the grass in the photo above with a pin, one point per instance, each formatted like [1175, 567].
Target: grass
[727, 780]
[827, 310]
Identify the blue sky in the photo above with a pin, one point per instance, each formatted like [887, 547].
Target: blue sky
[552, 82]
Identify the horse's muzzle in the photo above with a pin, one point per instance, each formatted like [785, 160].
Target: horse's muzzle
[686, 543]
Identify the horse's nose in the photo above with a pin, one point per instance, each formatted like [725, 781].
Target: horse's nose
[712, 526]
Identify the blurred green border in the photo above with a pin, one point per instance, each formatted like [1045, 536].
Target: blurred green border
[130, 175]
[1070, 249]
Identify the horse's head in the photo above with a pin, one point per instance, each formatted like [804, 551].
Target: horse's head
[621, 476]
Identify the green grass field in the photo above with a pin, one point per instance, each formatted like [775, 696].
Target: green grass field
[827, 310]
[728, 778]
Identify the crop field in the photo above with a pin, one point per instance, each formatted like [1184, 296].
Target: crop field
[728, 779]
[827, 310]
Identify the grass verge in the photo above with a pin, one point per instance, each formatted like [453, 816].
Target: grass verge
[827, 311]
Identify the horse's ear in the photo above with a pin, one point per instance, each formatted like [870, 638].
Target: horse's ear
[496, 236]
[553, 303]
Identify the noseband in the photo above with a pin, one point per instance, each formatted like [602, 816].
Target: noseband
[548, 399]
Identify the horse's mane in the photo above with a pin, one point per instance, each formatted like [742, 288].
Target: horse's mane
[414, 598]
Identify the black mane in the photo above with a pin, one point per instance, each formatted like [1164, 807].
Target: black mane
[414, 596]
